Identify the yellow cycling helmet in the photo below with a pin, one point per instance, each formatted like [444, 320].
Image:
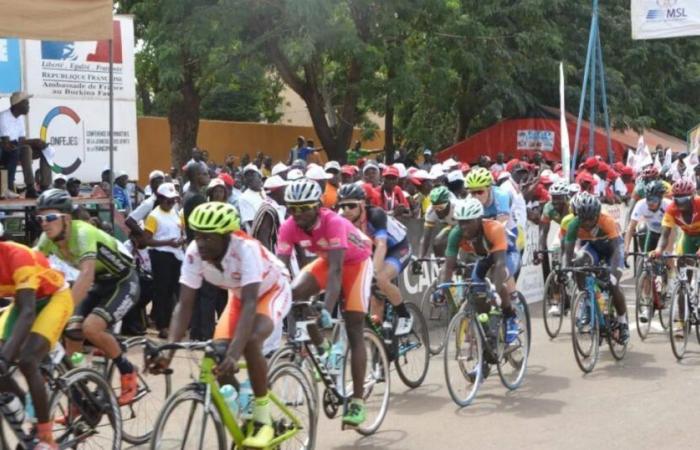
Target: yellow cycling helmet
[478, 178]
[214, 217]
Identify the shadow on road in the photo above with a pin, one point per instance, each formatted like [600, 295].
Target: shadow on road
[380, 439]
[635, 365]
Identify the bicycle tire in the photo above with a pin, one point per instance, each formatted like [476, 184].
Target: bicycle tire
[380, 376]
[71, 384]
[463, 328]
[516, 361]
[644, 303]
[437, 318]
[294, 372]
[617, 349]
[679, 346]
[193, 392]
[419, 347]
[141, 436]
[586, 359]
[552, 325]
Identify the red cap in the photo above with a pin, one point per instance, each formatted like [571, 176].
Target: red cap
[591, 163]
[227, 179]
[603, 168]
[348, 170]
[416, 181]
[627, 170]
[585, 176]
[391, 171]
[617, 165]
[511, 165]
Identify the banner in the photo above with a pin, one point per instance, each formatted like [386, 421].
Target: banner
[535, 140]
[10, 72]
[659, 19]
[694, 140]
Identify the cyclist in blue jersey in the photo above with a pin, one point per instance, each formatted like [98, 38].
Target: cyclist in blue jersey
[391, 247]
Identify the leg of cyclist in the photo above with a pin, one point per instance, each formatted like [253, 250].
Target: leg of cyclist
[304, 287]
[394, 263]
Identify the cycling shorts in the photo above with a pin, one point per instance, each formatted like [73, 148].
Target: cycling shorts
[275, 304]
[689, 244]
[652, 239]
[52, 314]
[355, 286]
[399, 255]
[599, 252]
[110, 299]
[484, 264]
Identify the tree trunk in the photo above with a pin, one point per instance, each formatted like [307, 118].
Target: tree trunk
[389, 131]
[183, 118]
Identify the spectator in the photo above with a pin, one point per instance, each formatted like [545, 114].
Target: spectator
[316, 173]
[354, 154]
[539, 162]
[280, 169]
[216, 191]
[193, 197]
[233, 193]
[370, 183]
[393, 200]
[427, 160]
[347, 174]
[330, 194]
[252, 197]
[245, 160]
[122, 200]
[60, 182]
[266, 168]
[500, 163]
[155, 179]
[271, 213]
[73, 186]
[299, 151]
[455, 183]
[163, 234]
[230, 163]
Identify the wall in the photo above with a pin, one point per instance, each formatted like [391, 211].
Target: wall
[221, 138]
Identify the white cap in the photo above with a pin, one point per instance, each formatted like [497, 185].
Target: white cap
[214, 183]
[371, 164]
[332, 165]
[421, 174]
[274, 182]
[121, 173]
[450, 163]
[437, 171]
[402, 170]
[316, 173]
[156, 174]
[60, 176]
[504, 175]
[547, 173]
[252, 167]
[295, 174]
[454, 176]
[279, 168]
[168, 190]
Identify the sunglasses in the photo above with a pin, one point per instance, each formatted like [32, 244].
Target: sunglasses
[440, 207]
[681, 199]
[298, 209]
[47, 218]
[349, 206]
[478, 192]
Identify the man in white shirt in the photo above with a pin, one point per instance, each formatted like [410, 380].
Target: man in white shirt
[155, 179]
[252, 197]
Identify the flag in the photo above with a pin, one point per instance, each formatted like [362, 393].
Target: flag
[563, 129]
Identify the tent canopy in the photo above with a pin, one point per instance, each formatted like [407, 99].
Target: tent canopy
[68, 20]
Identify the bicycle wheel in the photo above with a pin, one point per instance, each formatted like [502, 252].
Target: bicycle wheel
[85, 412]
[553, 305]
[585, 333]
[139, 416]
[644, 305]
[290, 354]
[512, 358]
[287, 383]
[463, 359]
[413, 351]
[617, 348]
[185, 422]
[376, 384]
[437, 317]
[679, 329]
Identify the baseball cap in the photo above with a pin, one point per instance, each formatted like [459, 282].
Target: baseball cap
[316, 173]
[455, 175]
[591, 163]
[168, 190]
[213, 183]
[18, 97]
[227, 179]
[371, 164]
[295, 174]
[155, 174]
[402, 169]
[427, 152]
[252, 167]
[449, 163]
[332, 165]
[391, 172]
[437, 171]
[421, 174]
[120, 174]
[274, 182]
[348, 170]
[279, 168]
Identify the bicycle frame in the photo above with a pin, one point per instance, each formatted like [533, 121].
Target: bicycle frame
[597, 314]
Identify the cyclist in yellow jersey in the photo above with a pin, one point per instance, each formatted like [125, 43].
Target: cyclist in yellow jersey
[31, 326]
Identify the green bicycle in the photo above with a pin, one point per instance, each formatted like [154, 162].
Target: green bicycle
[190, 414]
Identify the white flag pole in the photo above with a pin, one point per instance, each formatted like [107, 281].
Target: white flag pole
[563, 129]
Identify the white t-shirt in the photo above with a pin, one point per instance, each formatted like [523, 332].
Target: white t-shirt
[246, 262]
[432, 219]
[164, 226]
[641, 213]
[248, 204]
[11, 126]
[144, 209]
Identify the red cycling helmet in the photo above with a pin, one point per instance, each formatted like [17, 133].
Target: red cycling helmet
[683, 187]
[650, 172]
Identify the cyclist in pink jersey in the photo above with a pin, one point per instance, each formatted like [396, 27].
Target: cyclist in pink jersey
[344, 264]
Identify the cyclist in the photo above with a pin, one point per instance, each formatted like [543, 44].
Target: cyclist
[343, 264]
[31, 326]
[260, 298]
[486, 238]
[650, 210]
[391, 247]
[600, 243]
[106, 288]
[554, 211]
[438, 217]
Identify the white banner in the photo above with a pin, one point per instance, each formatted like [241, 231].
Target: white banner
[535, 140]
[658, 19]
[80, 69]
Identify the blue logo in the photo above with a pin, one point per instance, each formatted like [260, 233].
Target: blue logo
[655, 14]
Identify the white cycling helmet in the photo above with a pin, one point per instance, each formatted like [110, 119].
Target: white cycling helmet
[468, 209]
[2, 230]
[302, 191]
[559, 188]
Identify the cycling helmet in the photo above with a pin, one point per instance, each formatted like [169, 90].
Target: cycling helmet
[468, 209]
[55, 199]
[588, 206]
[2, 230]
[573, 189]
[478, 178]
[302, 191]
[439, 195]
[683, 187]
[650, 172]
[655, 189]
[575, 200]
[351, 191]
[214, 217]
[559, 188]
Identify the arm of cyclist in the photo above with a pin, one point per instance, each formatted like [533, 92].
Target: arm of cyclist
[544, 232]
[426, 239]
[663, 242]
[25, 301]
[84, 281]
[380, 249]
[500, 276]
[629, 234]
[617, 260]
[249, 300]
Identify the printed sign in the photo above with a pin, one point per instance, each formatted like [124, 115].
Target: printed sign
[10, 73]
[659, 19]
[535, 140]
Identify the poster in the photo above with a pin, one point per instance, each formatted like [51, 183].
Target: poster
[10, 63]
[694, 139]
[659, 19]
[535, 140]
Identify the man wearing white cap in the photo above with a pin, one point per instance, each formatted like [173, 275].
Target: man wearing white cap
[280, 169]
[330, 194]
[252, 197]
[122, 200]
[427, 160]
[16, 148]
[271, 213]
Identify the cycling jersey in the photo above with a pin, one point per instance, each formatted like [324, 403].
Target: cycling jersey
[380, 225]
[493, 240]
[24, 268]
[113, 260]
[674, 216]
[331, 232]
[550, 214]
[606, 229]
[500, 205]
[641, 212]
[564, 225]
[432, 219]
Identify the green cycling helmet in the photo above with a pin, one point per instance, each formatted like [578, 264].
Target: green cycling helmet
[214, 217]
[478, 178]
[439, 195]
